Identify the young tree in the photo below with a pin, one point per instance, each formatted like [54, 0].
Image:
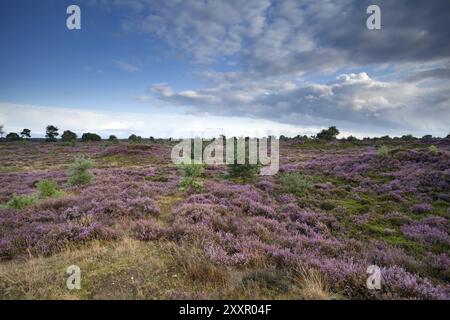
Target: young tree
[68, 136]
[51, 133]
[245, 172]
[328, 134]
[1, 131]
[79, 171]
[26, 134]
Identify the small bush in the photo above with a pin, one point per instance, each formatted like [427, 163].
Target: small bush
[433, 150]
[295, 183]
[327, 205]
[22, 201]
[191, 176]
[47, 188]
[78, 171]
[383, 152]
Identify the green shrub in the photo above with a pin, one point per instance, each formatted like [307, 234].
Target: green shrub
[191, 176]
[22, 201]
[78, 171]
[295, 183]
[48, 188]
[327, 205]
[433, 149]
[383, 152]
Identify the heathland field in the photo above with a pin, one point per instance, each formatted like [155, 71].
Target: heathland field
[141, 228]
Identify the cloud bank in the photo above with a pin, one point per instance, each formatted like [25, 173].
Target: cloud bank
[272, 48]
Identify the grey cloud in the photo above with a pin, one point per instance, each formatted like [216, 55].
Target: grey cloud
[354, 100]
[274, 43]
[438, 73]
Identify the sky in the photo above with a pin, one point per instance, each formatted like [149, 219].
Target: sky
[201, 68]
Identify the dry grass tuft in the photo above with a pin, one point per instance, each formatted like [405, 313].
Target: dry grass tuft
[312, 284]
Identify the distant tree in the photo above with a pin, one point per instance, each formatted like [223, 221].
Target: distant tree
[352, 139]
[26, 134]
[51, 132]
[134, 138]
[328, 134]
[12, 136]
[68, 136]
[427, 137]
[152, 139]
[1, 131]
[113, 138]
[408, 137]
[90, 137]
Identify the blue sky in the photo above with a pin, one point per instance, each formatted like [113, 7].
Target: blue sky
[192, 67]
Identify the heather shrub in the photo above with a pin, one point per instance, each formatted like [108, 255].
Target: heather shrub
[47, 188]
[147, 230]
[21, 201]
[383, 152]
[433, 150]
[191, 176]
[421, 208]
[78, 171]
[295, 183]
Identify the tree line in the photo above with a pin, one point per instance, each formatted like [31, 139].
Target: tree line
[52, 133]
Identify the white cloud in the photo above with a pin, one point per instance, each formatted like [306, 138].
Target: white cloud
[15, 117]
[124, 66]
